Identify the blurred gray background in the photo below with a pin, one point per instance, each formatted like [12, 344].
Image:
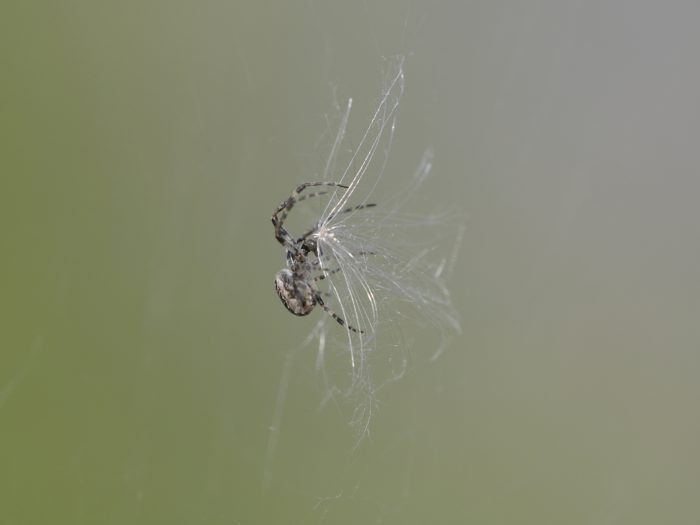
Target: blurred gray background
[143, 148]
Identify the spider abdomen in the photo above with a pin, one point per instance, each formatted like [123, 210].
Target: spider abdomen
[296, 295]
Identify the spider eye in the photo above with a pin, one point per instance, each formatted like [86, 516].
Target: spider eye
[296, 295]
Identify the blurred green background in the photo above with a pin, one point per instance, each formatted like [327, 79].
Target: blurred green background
[143, 148]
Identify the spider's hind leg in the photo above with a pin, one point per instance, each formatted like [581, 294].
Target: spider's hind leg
[339, 320]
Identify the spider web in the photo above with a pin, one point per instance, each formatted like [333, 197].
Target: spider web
[385, 267]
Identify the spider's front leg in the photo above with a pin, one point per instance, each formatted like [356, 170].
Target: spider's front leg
[281, 212]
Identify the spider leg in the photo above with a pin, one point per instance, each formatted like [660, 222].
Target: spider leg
[339, 320]
[317, 262]
[281, 212]
[326, 273]
[346, 210]
[351, 209]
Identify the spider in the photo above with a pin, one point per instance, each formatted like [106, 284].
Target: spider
[295, 283]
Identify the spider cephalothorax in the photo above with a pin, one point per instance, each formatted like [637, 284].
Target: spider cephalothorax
[295, 284]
